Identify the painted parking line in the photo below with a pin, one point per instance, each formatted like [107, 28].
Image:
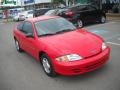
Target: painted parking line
[113, 36]
[104, 32]
[107, 23]
[99, 32]
[118, 38]
[110, 22]
[1, 23]
[117, 44]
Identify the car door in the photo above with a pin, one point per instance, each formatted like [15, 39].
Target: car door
[81, 12]
[28, 43]
[92, 13]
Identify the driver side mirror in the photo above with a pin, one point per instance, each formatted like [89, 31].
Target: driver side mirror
[29, 35]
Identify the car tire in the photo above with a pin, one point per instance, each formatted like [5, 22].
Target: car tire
[80, 23]
[47, 66]
[103, 19]
[17, 45]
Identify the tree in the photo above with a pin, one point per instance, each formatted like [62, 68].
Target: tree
[58, 1]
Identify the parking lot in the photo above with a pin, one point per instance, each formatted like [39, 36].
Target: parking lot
[19, 71]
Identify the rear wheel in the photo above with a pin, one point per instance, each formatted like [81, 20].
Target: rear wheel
[47, 66]
[80, 23]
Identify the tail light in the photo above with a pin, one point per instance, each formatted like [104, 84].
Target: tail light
[69, 13]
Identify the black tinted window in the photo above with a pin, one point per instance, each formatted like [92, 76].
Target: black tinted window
[20, 26]
[27, 28]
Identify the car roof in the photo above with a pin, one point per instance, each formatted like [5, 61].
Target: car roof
[40, 18]
[78, 5]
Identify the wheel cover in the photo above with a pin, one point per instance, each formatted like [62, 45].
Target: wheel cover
[80, 23]
[46, 65]
[17, 45]
[103, 19]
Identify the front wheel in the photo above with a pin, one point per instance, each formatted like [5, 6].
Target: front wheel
[17, 45]
[47, 66]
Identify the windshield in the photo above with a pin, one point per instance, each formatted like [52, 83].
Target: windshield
[50, 12]
[53, 26]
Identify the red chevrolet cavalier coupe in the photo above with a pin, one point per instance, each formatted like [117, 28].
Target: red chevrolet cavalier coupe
[60, 46]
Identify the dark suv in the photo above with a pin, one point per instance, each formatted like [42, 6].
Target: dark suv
[82, 14]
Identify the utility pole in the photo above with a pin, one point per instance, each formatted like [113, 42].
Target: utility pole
[34, 7]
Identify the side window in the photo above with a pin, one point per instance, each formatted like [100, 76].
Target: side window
[20, 26]
[30, 12]
[74, 9]
[27, 28]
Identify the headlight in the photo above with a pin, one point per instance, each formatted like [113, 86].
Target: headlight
[68, 58]
[104, 46]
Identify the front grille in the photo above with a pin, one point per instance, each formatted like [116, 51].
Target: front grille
[94, 65]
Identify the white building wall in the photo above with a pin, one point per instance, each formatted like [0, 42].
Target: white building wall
[43, 1]
[36, 2]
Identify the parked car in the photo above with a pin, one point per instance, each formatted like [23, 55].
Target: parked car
[23, 15]
[41, 11]
[60, 46]
[82, 14]
[1, 15]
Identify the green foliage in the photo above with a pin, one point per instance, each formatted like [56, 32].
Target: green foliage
[58, 1]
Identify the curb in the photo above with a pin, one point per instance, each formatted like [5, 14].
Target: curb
[113, 16]
[6, 21]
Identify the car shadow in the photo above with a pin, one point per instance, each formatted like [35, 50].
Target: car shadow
[94, 23]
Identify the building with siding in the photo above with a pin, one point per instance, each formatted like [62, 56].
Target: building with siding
[107, 5]
[30, 4]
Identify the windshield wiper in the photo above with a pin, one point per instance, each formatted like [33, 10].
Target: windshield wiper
[48, 34]
[64, 30]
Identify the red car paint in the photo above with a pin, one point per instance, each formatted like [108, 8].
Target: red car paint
[79, 41]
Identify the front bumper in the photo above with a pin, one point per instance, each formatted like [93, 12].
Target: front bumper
[82, 66]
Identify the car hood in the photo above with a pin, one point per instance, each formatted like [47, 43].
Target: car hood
[78, 42]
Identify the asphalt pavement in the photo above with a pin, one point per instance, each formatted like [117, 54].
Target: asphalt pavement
[19, 71]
